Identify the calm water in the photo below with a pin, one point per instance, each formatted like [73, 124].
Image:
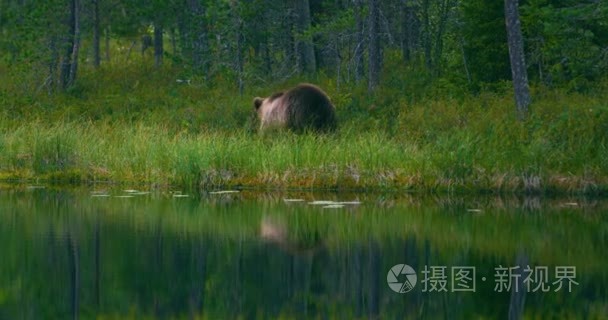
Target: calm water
[107, 253]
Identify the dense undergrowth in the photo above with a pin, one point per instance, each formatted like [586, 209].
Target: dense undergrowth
[163, 127]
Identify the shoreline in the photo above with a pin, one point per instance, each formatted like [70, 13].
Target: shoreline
[514, 186]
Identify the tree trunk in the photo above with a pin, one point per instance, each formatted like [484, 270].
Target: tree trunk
[97, 285]
[146, 42]
[406, 30]
[239, 56]
[158, 44]
[304, 43]
[464, 60]
[518, 296]
[374, 45]
[198, 37]
[445, 7]
[174, 48]
[360, 41]
[199, 279]
[76, 46]
[516, 54]
[74, 264]
[338, 60]
[96, 34]
[107, 36]
[51, 81]
[239, 59]
[374, 286]
[426, 34]
[69, 65]
[268, 60]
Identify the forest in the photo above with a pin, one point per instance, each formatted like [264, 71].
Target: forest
[431, 95]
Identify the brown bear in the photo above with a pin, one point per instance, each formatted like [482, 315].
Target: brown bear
[303, 108]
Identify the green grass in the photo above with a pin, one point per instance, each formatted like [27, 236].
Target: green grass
[136, 124]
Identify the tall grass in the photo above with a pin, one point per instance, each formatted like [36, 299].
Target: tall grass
[154, 154]
[136, 124]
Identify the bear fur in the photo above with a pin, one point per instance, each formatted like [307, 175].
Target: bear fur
[303, 108]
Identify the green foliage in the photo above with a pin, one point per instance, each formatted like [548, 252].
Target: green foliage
[451, 44]
[485, 40]
[566, 40]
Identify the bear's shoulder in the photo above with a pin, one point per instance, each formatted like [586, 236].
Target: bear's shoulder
[308, 86]
[276, 95]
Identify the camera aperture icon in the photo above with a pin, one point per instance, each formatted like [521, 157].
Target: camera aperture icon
[401, 278]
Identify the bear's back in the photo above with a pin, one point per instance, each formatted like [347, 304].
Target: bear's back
[309, 108]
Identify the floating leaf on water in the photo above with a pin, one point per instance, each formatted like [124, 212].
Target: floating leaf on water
[293, 200]
[333, 206]
[180, 196]
[349, 202]
[322, 202]
[224, 192]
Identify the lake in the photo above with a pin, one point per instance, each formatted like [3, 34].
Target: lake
[111, 253]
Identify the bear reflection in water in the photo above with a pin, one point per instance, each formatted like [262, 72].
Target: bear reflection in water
[275, 231]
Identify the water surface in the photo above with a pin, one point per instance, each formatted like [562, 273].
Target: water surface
[101, 252]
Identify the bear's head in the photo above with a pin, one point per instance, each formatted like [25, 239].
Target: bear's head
[257, 103]
[270, 111]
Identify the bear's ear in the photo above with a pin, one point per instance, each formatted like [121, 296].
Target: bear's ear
[257, 102]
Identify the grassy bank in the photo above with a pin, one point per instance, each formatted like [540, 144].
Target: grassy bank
[155, 130]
